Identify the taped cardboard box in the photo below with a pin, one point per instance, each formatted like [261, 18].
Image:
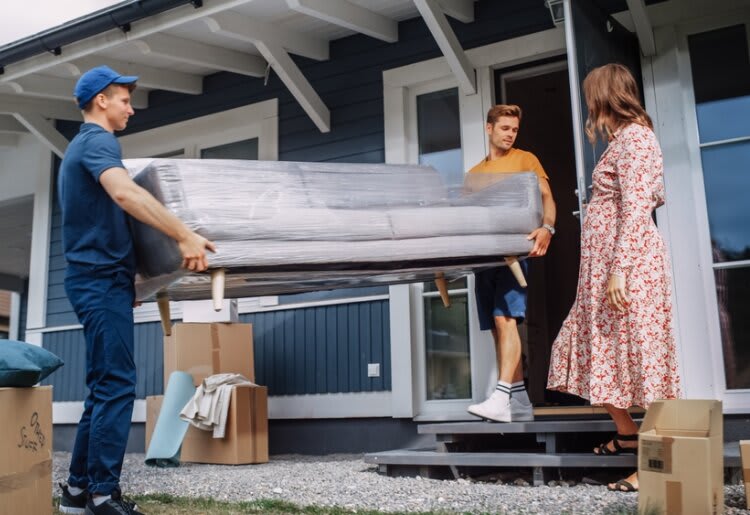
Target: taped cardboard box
[745, 455]
[681, 458]
[246, 437]
[206, 349]
[26, 450]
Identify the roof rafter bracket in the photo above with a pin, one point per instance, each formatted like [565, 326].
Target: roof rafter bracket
[297, 84]
[462, 10]
[446, 39]
[244, 28]
[188, 51]
[643, 28]
[346, 14]
[44, 130]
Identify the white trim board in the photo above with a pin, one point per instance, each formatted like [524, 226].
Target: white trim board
[259, 120]
[149, 312]
[36, 310]
[331, 405]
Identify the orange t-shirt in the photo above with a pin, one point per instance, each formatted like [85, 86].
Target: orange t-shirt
[515, 160]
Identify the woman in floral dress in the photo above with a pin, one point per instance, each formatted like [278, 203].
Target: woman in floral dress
[616, 348]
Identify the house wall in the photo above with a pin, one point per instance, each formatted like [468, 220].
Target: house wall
[338, 340]
[312, 350]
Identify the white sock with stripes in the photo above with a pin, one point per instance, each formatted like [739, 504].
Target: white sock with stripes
[503, 389]
[518, 392]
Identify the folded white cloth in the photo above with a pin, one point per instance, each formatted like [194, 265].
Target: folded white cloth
[208, 408]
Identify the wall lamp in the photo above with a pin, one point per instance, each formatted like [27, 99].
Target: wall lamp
[556, 11]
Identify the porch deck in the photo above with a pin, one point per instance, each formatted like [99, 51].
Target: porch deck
[541, 445]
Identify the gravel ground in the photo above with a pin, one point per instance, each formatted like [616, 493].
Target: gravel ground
[348, 482]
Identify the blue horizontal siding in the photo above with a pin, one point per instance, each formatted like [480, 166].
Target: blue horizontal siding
[70, 381]
[323, 349]
[312, 350]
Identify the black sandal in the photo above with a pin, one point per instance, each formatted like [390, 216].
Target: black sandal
[603, 449]
[622, 485]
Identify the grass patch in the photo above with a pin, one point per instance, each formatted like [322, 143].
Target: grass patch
[163, 504]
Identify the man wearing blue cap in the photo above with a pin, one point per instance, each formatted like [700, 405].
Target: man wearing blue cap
[96, 195]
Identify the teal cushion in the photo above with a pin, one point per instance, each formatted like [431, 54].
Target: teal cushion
[23, 364]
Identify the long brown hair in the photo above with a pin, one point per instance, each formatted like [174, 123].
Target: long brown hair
[613, 101]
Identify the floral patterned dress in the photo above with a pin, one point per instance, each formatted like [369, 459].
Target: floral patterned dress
[603, 355]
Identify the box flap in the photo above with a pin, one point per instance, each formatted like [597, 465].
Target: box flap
[682, 417]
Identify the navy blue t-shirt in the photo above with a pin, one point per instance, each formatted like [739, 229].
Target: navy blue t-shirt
[96, 235]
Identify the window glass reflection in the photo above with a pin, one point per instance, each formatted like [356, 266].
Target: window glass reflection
[246, 149]
[724, 119]
[726, 176]
[733, 296]
[439, 134]
[446, 333]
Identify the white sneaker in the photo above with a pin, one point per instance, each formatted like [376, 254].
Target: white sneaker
[521, 411]
[496, 408]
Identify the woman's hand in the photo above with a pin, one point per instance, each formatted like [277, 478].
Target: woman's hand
[616, 295]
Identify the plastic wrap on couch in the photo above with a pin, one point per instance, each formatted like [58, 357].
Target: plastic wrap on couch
[282, 227]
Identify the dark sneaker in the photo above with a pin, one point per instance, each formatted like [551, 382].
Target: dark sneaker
[117, 505]
[70, 503]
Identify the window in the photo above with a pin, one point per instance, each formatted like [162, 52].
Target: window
[721, 83]
[245, 149]
[439, 135]
[446, 331]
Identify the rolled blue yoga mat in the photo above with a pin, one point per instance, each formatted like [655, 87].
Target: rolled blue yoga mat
[169, 431]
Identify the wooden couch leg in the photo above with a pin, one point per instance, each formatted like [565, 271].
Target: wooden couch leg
[515, 267]
[217, 288]
[162, 300]
[442, 286]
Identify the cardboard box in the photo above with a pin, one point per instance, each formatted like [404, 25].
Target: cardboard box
[203, 311]
[246, 437]
[681, 458]
[206, 349]
[153, 406]
[745, 456]
[26, 450]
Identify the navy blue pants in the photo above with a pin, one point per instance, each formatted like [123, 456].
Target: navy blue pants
[104, 305]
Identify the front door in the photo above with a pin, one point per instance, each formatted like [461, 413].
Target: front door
[595, 39]
[546, 130]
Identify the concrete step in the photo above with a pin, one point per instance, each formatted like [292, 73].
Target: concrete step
[497, 459]
[537, 426]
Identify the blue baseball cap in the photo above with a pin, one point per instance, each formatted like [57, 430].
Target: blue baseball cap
[95, 80]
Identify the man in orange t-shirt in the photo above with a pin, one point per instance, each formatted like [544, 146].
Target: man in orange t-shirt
[501, 301]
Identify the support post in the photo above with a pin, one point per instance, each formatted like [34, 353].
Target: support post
[162, 300]
[217, 287]
[442, 286]
[515, 267]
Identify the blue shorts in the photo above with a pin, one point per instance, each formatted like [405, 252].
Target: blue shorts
[499, 294]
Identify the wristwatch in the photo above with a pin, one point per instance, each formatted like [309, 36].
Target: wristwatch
[549, 228]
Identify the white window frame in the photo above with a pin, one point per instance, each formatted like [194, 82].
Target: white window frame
[686, 209]
[259, 120]
[400, 87]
